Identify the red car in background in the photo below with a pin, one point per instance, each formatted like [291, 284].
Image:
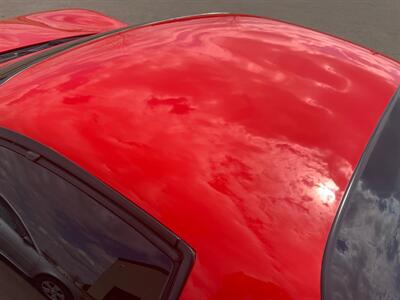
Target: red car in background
[219, 156]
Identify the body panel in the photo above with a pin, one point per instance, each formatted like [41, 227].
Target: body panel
[51, 25]
[238, 133]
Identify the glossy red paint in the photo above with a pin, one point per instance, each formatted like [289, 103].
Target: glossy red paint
[50, 25]
[238, 133]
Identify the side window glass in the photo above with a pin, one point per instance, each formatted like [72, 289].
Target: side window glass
[84, 250]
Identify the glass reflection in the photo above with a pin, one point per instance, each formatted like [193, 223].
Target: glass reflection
[365, 261]
[66, 245]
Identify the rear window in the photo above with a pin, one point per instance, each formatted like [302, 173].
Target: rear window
[362, 259]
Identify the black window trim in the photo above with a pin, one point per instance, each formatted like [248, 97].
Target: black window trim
[12, 54]
[182, 255]
[330, 245]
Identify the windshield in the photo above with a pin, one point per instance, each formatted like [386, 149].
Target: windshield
[362, 259]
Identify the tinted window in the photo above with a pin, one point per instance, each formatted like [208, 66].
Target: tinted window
[85, 250]
[363, 254]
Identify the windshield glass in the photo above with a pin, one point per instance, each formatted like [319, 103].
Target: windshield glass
[363, 254]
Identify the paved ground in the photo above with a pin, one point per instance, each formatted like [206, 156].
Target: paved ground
[371, 23]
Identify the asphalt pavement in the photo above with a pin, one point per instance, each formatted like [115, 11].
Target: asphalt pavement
[371, 23]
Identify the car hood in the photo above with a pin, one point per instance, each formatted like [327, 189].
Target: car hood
[42, 27]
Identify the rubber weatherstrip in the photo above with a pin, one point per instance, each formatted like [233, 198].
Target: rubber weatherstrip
[22, 51]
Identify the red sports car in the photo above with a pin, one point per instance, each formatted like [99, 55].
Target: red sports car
[212, 157]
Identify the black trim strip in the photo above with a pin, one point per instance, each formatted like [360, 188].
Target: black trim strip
[179, 251]
[22, 51]
[330, 245]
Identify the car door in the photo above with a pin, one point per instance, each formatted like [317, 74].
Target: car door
[15, 242]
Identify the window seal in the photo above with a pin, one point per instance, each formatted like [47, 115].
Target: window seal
[30, 49]
[182, 255]
[357, 174]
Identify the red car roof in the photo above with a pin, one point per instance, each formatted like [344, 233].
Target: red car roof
[238, 133]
